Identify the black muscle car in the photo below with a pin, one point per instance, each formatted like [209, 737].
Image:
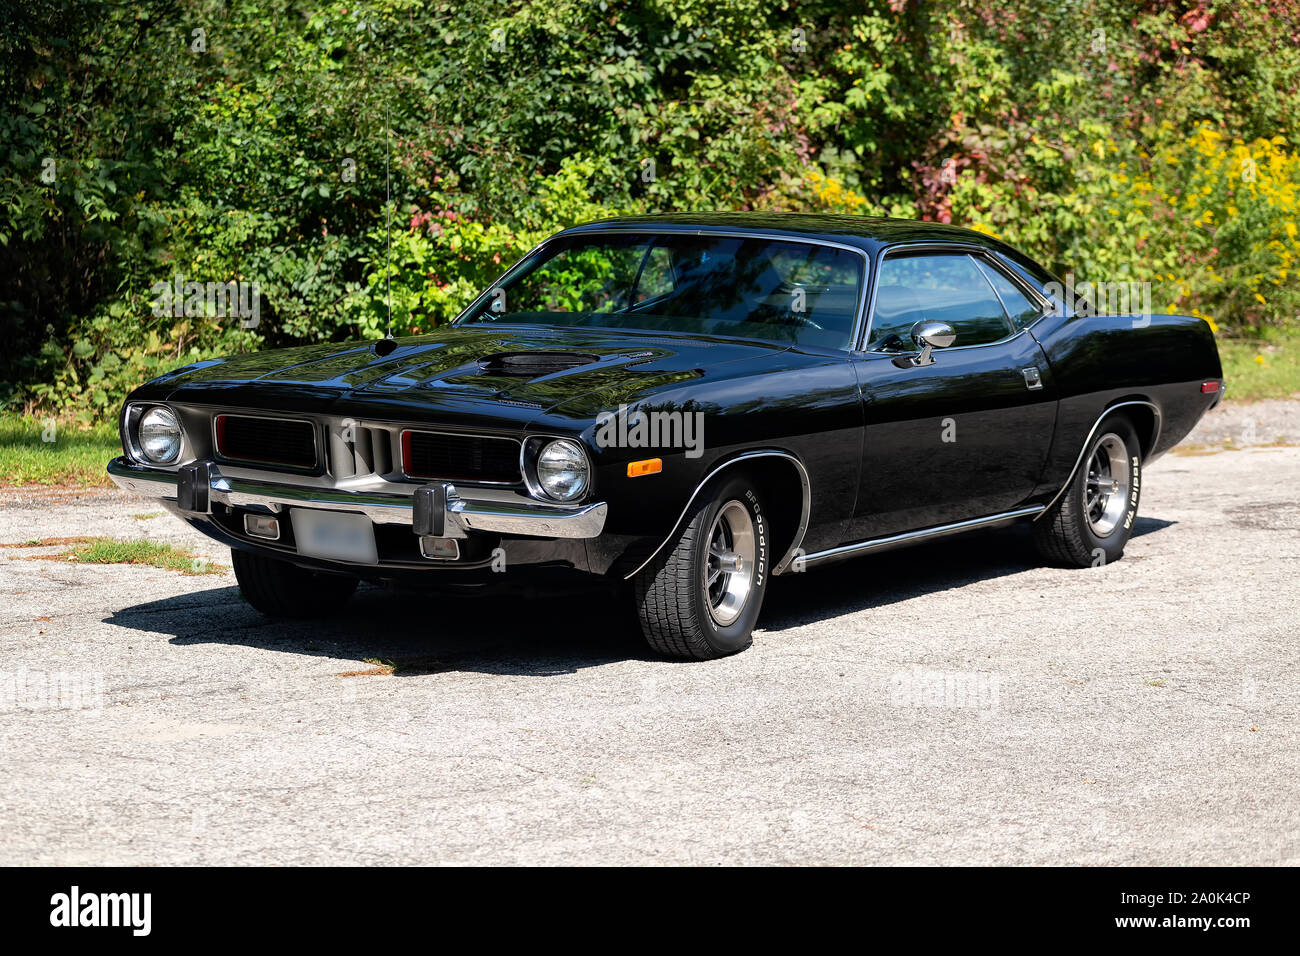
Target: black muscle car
[687, 404]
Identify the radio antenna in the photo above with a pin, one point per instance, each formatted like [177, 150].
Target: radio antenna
[388, 209]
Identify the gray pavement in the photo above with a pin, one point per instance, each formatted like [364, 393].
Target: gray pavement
[952, 704]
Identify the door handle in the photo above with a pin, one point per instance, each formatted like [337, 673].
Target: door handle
[1033, 379]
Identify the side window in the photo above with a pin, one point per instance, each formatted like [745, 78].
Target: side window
[1018, 305]
[936, 287]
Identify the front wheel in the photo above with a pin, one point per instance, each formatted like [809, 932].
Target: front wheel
[1091, 522]
[280, 589]
[700, 597]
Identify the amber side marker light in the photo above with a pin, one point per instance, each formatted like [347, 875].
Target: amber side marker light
[649, 466]
[1208, 388]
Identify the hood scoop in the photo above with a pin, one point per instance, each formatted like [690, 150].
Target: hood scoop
[534, 364]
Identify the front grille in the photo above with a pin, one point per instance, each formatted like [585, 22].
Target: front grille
[460, 457]
[358, 450]
[290, 443]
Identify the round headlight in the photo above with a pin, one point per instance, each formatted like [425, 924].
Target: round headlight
[562, 470]
[160, 435]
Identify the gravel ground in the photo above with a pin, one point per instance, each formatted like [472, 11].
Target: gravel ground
[1258, 423]
[952, 704]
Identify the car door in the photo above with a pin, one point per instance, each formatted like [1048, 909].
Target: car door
[966, 436]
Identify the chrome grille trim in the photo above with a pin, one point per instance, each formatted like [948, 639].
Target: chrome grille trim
[358, 450]
[337, 464]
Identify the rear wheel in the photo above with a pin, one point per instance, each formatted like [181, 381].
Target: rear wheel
[700, 597]
[280, 589]
[1091, 522]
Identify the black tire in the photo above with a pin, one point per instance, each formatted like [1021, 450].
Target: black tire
[682, 614]
[1070, 533]
[280, 589]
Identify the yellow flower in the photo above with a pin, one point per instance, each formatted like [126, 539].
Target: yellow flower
[1261, 299]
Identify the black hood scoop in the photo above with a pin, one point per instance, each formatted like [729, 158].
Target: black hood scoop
[534, 364]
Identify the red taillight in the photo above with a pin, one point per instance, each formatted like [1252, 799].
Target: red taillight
[406, 452]
[1209, 388]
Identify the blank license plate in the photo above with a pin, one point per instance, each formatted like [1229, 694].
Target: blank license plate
[335, 535]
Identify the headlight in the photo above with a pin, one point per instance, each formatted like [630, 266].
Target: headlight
[159, 435]
[562, 470]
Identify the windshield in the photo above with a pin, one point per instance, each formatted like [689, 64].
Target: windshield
[775, 290]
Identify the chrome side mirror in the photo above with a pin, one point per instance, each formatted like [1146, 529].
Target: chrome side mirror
[930, 336]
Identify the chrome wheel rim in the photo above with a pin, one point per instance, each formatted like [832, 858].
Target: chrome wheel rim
[729, 569]
[1105, 495]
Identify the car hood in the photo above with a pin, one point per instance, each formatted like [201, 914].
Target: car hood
[456, 370]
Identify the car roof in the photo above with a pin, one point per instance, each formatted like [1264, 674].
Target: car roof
[863, 231]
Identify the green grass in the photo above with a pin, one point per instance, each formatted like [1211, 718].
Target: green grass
[76, 456]
[401, 666]
[113, 551]
[1261, 368]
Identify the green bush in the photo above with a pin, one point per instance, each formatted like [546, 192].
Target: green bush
[1106, 138]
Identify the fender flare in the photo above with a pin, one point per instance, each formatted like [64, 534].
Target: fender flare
[1093, 431]
[805, 510]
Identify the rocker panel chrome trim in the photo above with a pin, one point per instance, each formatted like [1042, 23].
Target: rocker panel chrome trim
[915, 537]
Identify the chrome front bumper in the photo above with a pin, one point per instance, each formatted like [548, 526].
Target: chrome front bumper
[500, 514]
